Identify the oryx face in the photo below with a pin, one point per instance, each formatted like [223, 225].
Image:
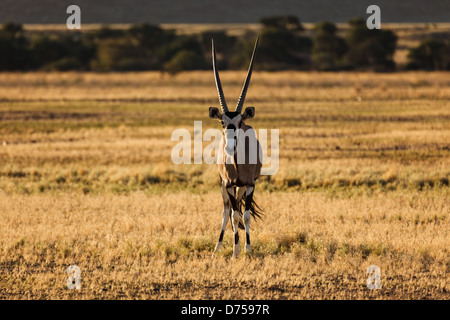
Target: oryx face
[231, 120]
[231, 123]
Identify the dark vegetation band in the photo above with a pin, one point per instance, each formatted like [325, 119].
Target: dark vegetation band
[284, 45]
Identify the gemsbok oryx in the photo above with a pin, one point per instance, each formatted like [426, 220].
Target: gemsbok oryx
[239, 160]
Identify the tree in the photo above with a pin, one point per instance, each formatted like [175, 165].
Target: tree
[119, 54]
[226, 47]
[328, 49]
[149, 36]
[184, 60]
[370, 48]
[168, 50]
[288, 22]
[430, 55]
[280, 47]
[14, 52]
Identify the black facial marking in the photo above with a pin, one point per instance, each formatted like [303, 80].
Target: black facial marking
[232, 114]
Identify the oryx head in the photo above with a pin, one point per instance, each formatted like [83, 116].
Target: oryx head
[231, 120]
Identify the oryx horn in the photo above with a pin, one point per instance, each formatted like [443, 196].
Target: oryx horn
[240, 103]
[223, 104]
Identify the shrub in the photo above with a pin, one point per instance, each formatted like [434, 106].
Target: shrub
[430, 55]
[226, 47]
[288, 22]
[64, 64]
[328, 48]
[150, 36]
[279, 49]
[119, 54]
[185, 60]
[370, 49]
[14, 51]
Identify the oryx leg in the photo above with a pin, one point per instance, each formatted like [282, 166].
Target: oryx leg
[235, 217]
[240, 193]
[225, 216]
[247, 215]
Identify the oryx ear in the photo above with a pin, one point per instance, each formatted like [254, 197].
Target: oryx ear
[214, 113]
[249, 113]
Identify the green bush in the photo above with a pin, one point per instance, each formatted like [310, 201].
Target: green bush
[430, 55]
[370, 48]
[120, 55]
[185, 60]
[288, 22]
[149, 36]
[282, 46]
[328, 49]
[58, 52]
[64, 64]
[279, 49]
[226, 47]
[14, 51]
[181, 43]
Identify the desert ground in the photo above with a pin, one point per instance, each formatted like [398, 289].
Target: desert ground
[86, 179]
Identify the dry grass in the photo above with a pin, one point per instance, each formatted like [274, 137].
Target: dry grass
[158, 246]
[86, 179]
[194, 88]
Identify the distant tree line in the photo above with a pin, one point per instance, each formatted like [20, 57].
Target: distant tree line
[284, 45]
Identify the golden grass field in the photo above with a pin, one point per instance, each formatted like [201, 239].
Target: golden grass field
[86, 179]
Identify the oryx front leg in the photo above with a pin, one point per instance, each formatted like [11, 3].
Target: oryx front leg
[235, 216]
[225, 217]
[247, 215]
[236, 245]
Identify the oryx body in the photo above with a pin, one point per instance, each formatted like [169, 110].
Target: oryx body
[239, 161]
